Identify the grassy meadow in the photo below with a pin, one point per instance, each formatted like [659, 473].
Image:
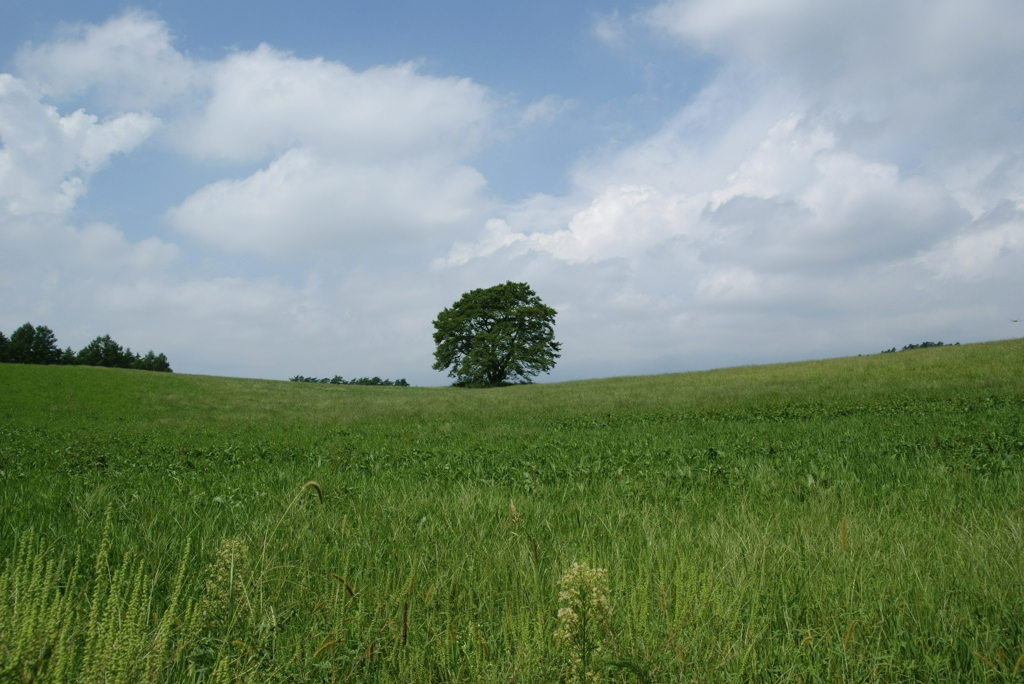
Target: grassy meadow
[849, 520]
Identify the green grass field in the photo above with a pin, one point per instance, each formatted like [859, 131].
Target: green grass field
[855, 520]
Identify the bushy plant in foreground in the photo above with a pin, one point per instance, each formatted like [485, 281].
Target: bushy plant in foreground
[584, 622]
[58, 626]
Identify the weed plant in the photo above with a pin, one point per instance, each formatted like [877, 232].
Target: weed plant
[853, 520]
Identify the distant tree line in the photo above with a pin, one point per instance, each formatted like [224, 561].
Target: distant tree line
[38, 345]
[923, 345]
[338, 380]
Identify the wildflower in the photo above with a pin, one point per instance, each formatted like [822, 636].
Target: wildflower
[226, 582]
[584, 621]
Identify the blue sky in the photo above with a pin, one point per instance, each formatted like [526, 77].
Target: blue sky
[616, 94]
[264, 190]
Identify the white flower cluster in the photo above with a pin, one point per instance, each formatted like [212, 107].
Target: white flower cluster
[584, 621]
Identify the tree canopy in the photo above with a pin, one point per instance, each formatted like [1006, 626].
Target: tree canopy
[375, 381]
[496, 336]
[30, 344]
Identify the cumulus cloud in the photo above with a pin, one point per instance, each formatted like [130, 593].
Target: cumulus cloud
[128, 62]
[843, 153]
[872, 44]
[990, 249]
[795, 202]
[265, 102]
[344, 155]
[355, 156]
[912, 78]
[47, 159]
[304, 200]
[57, 274]
[498, 235]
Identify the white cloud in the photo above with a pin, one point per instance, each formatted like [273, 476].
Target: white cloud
[936, 76]
[356, 156]
[302, 200]
[129, 62]
[623, 221]
[47, 159]
[608, 29]
[544, 110]
[852, 173]
[794, 202]
[498, 235]
[991, 248]
[265, 102]
[349, 156]
[873, 43]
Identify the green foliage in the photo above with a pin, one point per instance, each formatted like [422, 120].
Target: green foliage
[29, 344]
[33, 345]
[20, 347]
[103, 351]
[152, 362]
[338, 380]
[68, 357]
[496, 336]
[923, 345]
[844, 520]
[109, 626]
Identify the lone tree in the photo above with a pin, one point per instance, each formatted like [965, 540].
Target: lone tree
[496, 336]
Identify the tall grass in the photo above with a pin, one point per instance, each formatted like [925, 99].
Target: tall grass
[850, 520]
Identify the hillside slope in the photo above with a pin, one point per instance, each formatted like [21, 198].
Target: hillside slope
[67, 394]
[857, 519]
